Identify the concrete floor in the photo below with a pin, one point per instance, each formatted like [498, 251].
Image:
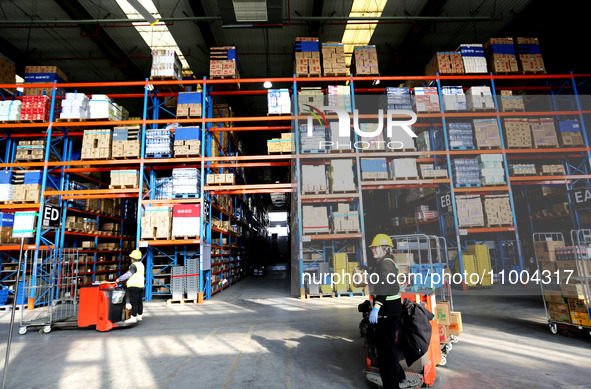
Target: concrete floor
[253, 335]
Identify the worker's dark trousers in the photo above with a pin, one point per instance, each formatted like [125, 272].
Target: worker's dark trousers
[388, 362]
[135, 299]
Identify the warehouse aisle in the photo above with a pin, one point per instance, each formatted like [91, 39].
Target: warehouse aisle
[255, 336]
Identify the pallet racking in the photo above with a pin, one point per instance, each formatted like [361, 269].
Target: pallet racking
[162, 254]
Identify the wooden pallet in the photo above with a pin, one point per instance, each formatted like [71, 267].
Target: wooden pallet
[468, 185]
[405, 178]
[8, 307]
[499, 225]
[186, 155]
[520, 147]
[69, 120]
[186, 237]
[96, 159]
[158, 155]
[493, 184]
[347, 232]
[456, 148]
[331, 74]
[488, 147]
[350, 294]
[316, 232]
[189, 117]
[125, 157]
[320, 295]
[23, 201]
[343, 191]
[126, 186]
[30, 121]
[155, 238]
[340, 151]
[315, 192]
[546, 146]
[532, 72]
[308, 75]
[182, 301]
[373, 179]
[428, 112]
[482, 109]
[512, 110]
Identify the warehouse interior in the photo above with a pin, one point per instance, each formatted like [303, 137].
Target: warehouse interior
[205, 134]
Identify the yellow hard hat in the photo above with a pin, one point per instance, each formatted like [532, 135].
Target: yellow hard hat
[381, 240]
[136, 254]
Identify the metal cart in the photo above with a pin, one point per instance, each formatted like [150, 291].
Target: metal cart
[50, 286]
[552, 282]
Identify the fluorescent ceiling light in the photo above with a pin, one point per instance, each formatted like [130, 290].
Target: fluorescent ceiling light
[157, 36]
[250, 10]
[359, 34]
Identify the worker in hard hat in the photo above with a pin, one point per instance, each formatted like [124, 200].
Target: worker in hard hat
[135, 286]
[386, 311]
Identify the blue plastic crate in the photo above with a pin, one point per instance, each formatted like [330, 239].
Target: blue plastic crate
[3, 296]
[426, 272]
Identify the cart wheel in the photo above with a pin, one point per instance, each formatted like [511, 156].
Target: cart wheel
[455, 339]
[46, 329]
[553, 328]
[443, 360]
[22, 330]
[449, 346]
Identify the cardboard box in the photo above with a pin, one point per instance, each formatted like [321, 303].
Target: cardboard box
[443, 334]
[455, 327]
[559, 316]
[553, 296]
[577, 305]
[547, 266]
[573, 291]
[443, 313]
[546, 251]
[580, 318]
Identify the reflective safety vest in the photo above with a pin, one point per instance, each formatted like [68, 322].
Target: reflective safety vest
[395, 296]
[137, 279]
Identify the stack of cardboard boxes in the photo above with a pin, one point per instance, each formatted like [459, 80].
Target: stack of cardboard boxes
[486, 132]
[453, 98]
[314, 179]
[466, 171]
[498, 211]
[307, 57]
[36, 108]
[445, 63]
[470, 212]
[42, 74]
[125, 142]
[543, 132]
[473, 58]
[159, 143]
[96, 144]
[333, 60]
[6, 187]
[187, 142]
[157, 223]
[189, 105]
[552, 170]
[310, 97]
[102, 107]
[221, 179]
[429, 170]
[518, 133]
[344, 219]
[403, 168]
[479, 97]
[124, 179]
[523, 169]
[75, 106]
[397, 98]
[570, 133]
[374, 169]
[30, 150]
[278, 101]
[425, 99]
[530, 56]
[6, 224]
[340, 176]
[449, 323]
[280, 145]
[315, 219]
[223, 62]
[460, 135]
[422, 212]
[508, 102]
[339, 96]
[365, 60]
[500, 54]
[80, 223]
[166, 65]
[10, 110]
[186, 181]
[491, 167]
[27, 186]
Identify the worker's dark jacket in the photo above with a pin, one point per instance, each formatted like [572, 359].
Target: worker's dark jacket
[415, 334]
[384, 291]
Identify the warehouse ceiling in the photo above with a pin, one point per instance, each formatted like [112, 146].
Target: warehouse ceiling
[45, 32]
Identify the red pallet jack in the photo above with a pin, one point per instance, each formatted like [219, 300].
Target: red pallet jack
[425, 365]
[102, 305]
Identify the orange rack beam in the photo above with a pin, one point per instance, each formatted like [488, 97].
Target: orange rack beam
[172, 201]
[20, 206]
[332, 236]
[483, 189]
[174, 242]
[486, 229]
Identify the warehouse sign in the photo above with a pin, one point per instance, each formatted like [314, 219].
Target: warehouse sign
[24, 224]
[51, 216]
[444, 201]
[581, 198]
